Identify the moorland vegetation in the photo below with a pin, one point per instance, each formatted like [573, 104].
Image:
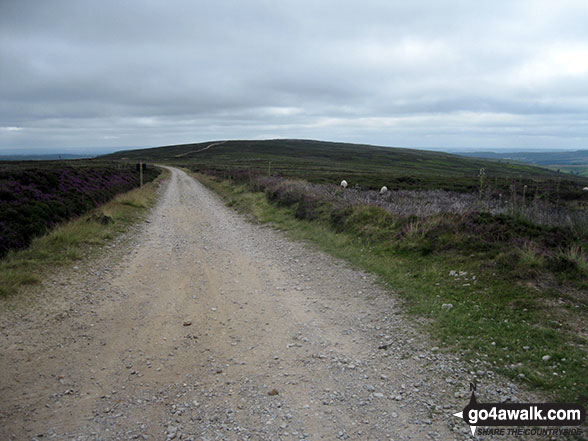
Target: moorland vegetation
[489, 256]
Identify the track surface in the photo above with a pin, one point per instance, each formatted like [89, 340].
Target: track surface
[207, 327]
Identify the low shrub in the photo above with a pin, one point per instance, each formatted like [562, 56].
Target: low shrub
[537, 235]
[571, 260]
[310, 207]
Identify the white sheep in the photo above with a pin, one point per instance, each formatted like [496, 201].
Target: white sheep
[344, 183]
[384, 190]
[585, 189]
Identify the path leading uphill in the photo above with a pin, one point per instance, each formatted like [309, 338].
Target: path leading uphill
[203, 326]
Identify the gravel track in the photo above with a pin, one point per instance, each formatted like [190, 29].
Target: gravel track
[200, 325]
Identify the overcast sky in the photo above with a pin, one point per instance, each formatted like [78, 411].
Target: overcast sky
[447, 74]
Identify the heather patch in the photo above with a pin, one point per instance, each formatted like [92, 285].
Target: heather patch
[34, 199]
[440, 221]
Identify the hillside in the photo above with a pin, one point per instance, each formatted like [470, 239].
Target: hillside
[578, 157]
[574, 162]
[48, 157]
[324, 162]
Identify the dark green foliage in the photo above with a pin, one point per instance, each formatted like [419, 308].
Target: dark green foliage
[338, 216]
[310, 207]
[371, 223]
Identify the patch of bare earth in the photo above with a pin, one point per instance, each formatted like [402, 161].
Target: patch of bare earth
[203, 326]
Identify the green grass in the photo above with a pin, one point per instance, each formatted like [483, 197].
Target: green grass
[579, 170]
[578, 256]
[499, 322]
[132, 203]
[73, 240]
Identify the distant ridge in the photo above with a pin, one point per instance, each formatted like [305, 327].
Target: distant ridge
[49, 157]
[577, 157]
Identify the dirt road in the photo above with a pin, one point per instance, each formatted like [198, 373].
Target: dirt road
[203, 326]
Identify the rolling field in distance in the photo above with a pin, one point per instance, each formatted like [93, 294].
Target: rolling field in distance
[573, 162]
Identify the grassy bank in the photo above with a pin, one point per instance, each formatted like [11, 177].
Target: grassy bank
[77, 238]
[507, 310]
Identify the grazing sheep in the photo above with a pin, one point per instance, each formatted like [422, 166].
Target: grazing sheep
[344, 183]
[384, 190]
[585, 189]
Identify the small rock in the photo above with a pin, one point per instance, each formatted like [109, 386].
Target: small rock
[187, 323]
[447, 306]
[172, 431]
[273, 392]
[546, 357]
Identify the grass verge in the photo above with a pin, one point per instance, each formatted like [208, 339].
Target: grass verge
[77, 238]
[498, 322]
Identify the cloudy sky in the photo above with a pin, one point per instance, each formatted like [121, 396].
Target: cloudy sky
[422, 73]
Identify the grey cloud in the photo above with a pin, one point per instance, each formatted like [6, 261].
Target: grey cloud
[150, 73]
